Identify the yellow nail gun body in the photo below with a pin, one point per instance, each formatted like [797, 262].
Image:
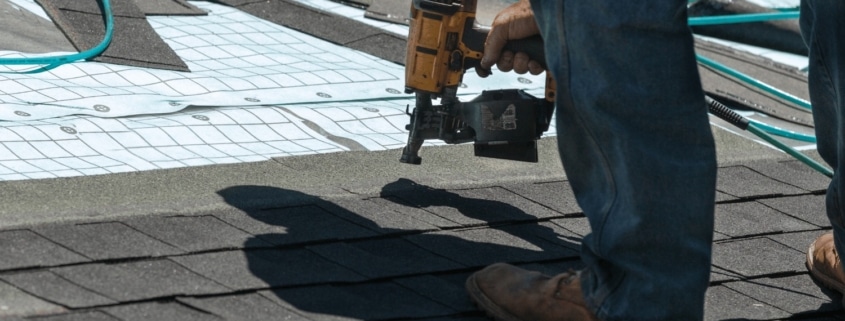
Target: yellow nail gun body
[444, 41]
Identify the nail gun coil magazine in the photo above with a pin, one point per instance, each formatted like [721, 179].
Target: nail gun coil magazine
[502, 124]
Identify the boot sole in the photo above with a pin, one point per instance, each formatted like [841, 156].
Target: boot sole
[824, 279]
[485, 304]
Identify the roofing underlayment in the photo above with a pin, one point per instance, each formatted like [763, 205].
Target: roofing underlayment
[312, 217]
[255, 90]
[258, 80]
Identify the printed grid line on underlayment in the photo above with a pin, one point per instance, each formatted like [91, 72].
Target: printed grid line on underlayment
[257, 91]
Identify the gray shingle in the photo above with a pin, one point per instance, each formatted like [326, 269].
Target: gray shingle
[300, 301]
[799, 241]
[810, 208]
[139, 280]
[452, 206]
[722, 303]
[291, 225]
[328, 26]
[101, 241]
[750, 218]
[757, 257]
[520, 208]
[23, 248]
[168, 7]
[16, 302]
[385, 45]
[134, 43]
[556, 195]
[195, 233]
[547, 231]
[369, 301]
[743, 182]
[721, 197]
[443, 291]
[53, 288]
[77, 316]
[793, 172]
[158, 311]
[718, 274]
[403, 206]
[384, 258]
[245, 307]
[474, 206]
[386, 217]
[259, 269]
[478, 247]
[794, 294]
[578, 225]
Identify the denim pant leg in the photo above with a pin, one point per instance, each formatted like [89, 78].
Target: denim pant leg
[823, 29]
[637, 148]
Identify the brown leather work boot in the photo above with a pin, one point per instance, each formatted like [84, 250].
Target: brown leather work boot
[824, 263]
[508, 293]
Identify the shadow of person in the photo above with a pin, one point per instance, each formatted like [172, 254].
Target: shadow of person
[474, 211]
[327, 261]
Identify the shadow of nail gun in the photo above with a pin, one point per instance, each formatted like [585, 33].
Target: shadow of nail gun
[444, 41]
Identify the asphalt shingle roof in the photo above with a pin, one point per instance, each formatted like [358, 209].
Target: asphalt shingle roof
[358, 236]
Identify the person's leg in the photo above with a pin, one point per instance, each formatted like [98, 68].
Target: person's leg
[638, 150]
[824, 30]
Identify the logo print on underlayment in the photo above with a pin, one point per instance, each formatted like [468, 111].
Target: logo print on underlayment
[506, 121]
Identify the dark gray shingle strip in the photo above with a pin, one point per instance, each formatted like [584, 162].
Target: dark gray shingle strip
[756, 257]
[384, 258]
[24, 249]
[328, 26]
[53, 288]
[262, 269]
[141, 280]
[794, 294]
[134, 42]
[103, 241]
[753, 218]
[295, 225]
[743, 182]
[195, 233]
[159, 311]
[246, 307]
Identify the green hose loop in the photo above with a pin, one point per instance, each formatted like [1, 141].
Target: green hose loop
[754, 82]
[742, 18]
[789, 150]
[783, 132]
[51, 62]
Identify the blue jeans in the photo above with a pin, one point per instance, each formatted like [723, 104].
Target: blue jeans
[637, 148]
[824, 33]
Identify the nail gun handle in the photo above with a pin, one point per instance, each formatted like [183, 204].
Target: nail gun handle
[533, 46]
[476, 34]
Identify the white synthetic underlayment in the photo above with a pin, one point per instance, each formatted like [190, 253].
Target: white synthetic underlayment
[257, 90]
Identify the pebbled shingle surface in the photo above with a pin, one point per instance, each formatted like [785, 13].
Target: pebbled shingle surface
[359, 258]
[195, 233]
[51, 287]
[102, 241]
[139, 280]
[23, 248]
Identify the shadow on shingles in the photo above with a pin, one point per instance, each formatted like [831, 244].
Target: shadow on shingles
[373, 296]
[408, 193]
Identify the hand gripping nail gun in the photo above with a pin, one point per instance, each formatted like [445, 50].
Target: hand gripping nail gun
[444, 41]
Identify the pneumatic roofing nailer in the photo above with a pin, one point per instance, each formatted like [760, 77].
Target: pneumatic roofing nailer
[444, 41]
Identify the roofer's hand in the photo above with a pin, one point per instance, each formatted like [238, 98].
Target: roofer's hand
[514, 22]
